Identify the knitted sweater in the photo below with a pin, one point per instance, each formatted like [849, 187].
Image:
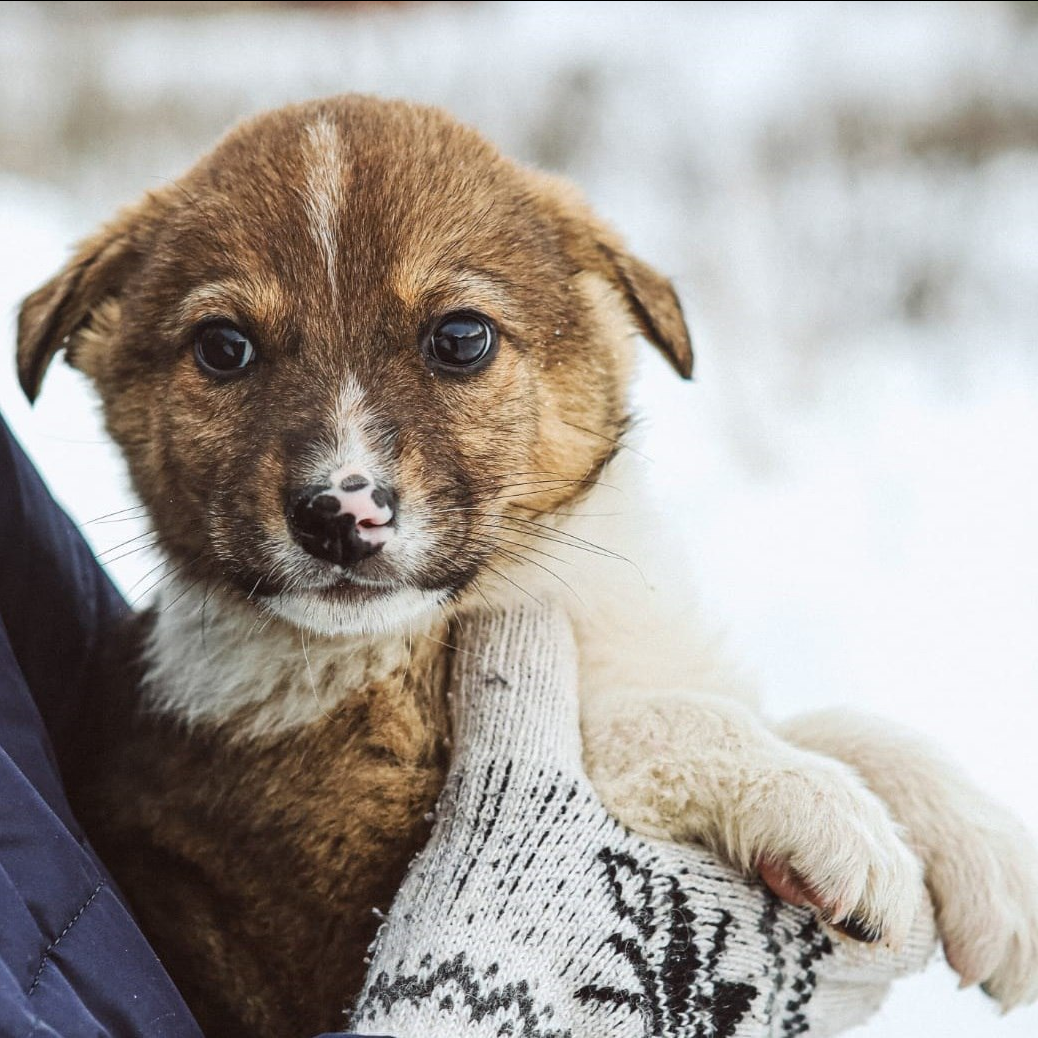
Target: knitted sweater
[533, 914]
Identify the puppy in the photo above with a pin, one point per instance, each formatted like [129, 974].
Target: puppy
[368, 374]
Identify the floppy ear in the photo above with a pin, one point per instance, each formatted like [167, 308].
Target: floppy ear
[50, 318]
[649, 296]
[655, 306]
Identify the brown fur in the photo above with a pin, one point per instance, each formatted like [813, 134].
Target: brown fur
[255, 862]
[255, 865]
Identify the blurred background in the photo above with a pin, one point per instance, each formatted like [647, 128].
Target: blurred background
[847, 197]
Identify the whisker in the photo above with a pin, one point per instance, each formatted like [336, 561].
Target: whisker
[107, 517]
[533, 493]
[533, 562]
[561, 537]
[570, 515]
[267, 622]
[139, 517]
[479, 591]
[529, 472]
[140, 580]
[190, 587]
[165, 576]
[205, 601]
[132, 551]
[566, 481]
[579, 543]
[608, 439]
[529, 547]
[559, 532]
[502, 576]
[407, 666]
[536, 511]
[123, 544]
[310, 672]
[447, 645]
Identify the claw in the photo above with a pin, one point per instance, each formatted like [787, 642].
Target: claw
[784, 882]
[858, 930]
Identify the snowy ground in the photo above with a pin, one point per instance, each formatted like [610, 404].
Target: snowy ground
[848, 197]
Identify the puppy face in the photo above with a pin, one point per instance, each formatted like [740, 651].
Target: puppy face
[352, 356]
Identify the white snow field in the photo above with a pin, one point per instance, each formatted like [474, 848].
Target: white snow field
[847, 197]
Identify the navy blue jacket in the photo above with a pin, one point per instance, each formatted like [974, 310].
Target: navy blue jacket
[73, 963]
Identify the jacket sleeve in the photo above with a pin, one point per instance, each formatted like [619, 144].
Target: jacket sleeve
[55, 600]
[72, 960]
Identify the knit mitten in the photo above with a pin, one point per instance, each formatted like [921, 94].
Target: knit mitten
[533, 914]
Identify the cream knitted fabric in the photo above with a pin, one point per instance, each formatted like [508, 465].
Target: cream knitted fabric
[533, 914]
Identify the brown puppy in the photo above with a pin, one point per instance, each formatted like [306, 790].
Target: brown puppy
[337, 237]
[367, 372]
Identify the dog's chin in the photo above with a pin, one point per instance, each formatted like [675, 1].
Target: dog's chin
[357, 611]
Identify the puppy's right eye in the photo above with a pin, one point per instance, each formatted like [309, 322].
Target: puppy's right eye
[221, 350]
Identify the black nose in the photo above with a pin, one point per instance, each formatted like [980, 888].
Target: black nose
[321, 528]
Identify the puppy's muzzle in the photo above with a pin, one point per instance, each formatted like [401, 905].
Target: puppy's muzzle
[345, 522]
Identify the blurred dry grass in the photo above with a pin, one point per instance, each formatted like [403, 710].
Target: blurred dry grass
[60, 112]
[64, 108]
[70, 115]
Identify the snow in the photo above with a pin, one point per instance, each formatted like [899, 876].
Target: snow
[847, 196]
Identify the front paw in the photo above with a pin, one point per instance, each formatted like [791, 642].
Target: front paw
[981, 866]
[984, 883]
[818, 836]
[706, 769]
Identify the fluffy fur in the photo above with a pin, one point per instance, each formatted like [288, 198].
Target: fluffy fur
[283, 729]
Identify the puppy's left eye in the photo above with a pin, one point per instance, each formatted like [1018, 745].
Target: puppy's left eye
[461, 343]
[221, 350]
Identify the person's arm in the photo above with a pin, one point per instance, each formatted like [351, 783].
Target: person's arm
[56, 603]
[532, 909]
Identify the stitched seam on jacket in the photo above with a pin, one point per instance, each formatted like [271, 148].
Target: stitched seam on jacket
[48, 951]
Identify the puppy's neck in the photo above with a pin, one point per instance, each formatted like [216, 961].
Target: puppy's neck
[212, 658]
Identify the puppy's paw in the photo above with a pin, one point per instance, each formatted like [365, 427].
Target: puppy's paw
[706, 769]
[984, 885]
[818, 836]
[981, 866]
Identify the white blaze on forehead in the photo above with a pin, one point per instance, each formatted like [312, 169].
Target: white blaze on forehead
[355, 428]
[325, 168]
[348, 437]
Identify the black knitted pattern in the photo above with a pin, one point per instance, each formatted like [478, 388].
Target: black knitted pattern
[671, 952]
